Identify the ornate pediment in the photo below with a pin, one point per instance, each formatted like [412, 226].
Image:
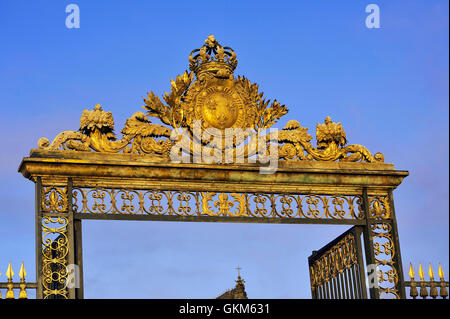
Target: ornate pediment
[209, 109]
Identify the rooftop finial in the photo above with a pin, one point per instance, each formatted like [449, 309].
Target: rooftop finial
[239, 271]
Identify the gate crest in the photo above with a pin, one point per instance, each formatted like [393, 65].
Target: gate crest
[217, 101]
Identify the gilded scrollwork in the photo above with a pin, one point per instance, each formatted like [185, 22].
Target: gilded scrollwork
[96, 133]
[381, 229]
[342, 256]
[384, 250]
[194, 203]
[211, 95]
[55, 250]
[55, 243]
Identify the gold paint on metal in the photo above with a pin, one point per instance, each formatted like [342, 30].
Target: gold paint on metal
[9, 272]
[411, 271]
[54, 199]
[433, 290]
[423, 287]
[431, 273]
[133, 175]
[180, 203]
[219, 101]
[384, 251]
[433, 287]
[421, 273]
[441, 273]
[413, 286]
[22, 272]
[443, 285]
[338, 258]
[425, 284]
[55, 250]
[384, 248]
[9, 275]
[23, 291]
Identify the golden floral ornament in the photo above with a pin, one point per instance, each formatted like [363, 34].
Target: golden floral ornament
[209, 94]
[54, 199]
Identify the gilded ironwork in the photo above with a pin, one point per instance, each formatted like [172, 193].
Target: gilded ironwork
[218, 101]
[428, 288]
[54, 199]
[384, 256]
[181, 203]
[336, 271]
[331, 139]
[22, 285]
[94, 174]
[9, 274]
[383, 246]
[340, 257]
[55, 241]
[55, 250]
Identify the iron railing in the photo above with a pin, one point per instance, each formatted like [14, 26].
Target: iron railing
[337, 269]
[427, 288]
[22, 286]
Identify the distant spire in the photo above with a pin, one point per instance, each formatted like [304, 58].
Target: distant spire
[238, 292]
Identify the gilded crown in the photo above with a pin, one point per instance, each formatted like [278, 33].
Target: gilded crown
[213, 59]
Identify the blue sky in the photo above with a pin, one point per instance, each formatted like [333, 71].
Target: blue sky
[388, 87]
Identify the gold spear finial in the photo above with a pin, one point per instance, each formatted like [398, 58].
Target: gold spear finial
[22, 272]
[411, 271]
[441, 272]
[443, 290]
[23, 291]
[431, 273]
[9, 274]
[413, 291]
[433, 289]
[421, 274]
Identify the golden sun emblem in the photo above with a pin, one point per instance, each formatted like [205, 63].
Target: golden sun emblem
[220, 108]
[220, 111]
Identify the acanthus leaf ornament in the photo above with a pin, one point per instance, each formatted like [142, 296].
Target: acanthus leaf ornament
[211, 95]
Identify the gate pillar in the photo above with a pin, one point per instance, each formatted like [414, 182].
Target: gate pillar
[382, 247]
[58, 242]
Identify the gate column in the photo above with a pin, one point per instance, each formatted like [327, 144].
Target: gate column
[382, 247]
[56, 274]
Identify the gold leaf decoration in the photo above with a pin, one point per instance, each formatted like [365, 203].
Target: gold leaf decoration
[155, 107]
[219, 101]
[139, 124]
[273, 113]
[330, 132]
[96, 119]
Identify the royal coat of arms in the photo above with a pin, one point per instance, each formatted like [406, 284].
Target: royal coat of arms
[210, 108]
